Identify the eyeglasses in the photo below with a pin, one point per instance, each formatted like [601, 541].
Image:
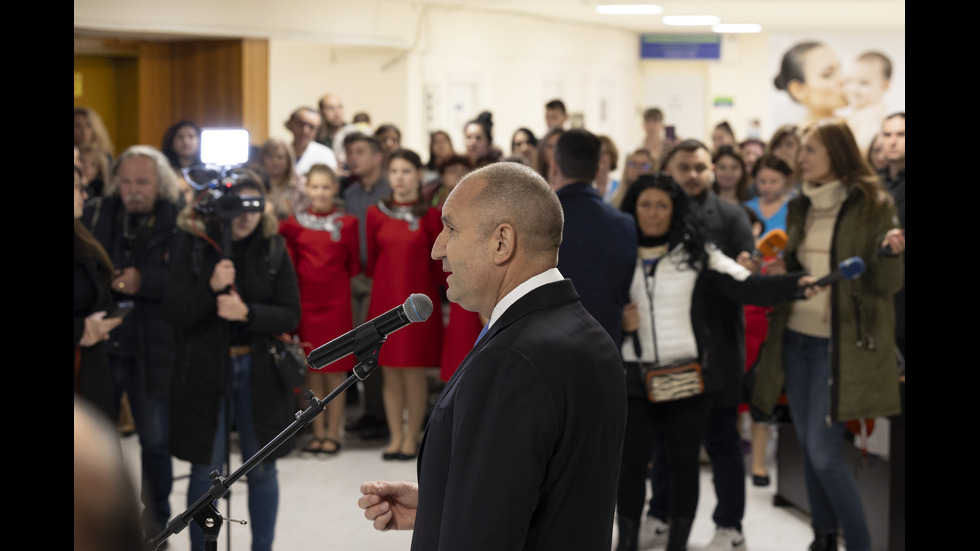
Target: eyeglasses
[645, 166]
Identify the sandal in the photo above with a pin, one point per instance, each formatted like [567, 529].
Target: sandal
[314, 447]
[336, 446]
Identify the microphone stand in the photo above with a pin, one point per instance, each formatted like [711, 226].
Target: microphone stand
[367, 346]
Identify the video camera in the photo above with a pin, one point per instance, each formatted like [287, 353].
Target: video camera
[224, 152]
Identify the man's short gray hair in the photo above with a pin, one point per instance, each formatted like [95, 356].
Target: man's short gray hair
[518, 195]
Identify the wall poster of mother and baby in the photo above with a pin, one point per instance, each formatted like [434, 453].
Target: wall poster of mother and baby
[859, 78]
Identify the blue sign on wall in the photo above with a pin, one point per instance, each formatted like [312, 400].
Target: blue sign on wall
[680, 46]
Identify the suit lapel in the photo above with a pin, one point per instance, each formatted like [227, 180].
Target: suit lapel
[545, 296]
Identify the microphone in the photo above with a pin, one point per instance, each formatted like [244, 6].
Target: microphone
[417, 307]
[849, 268]
[771, 244]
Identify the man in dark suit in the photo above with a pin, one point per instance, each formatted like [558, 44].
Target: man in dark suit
[598, 249]
[522, 449]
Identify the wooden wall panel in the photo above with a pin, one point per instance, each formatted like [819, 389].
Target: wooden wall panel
[211, 82]
[207, 82]
[153, 85]
[255, 85]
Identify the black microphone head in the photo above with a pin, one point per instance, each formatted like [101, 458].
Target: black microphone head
[418, 307]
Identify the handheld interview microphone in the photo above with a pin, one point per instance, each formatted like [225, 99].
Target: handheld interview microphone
[417, 307]
[771, 244]
[849, 268]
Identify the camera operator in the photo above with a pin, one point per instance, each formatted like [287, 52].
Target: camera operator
[227, 306]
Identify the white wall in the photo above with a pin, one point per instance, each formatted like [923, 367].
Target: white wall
[366, 79]
[511, 66]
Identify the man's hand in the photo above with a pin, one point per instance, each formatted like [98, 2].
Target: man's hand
[223, 275]
[127, 281]
[390, 505]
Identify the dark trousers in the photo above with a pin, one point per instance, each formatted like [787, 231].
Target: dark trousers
[727, 465]
[683, 424]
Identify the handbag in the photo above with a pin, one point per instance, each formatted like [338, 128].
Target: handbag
[289, 361]
[674, 380]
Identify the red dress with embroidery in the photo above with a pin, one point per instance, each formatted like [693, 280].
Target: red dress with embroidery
[400, 263]
[325, 251]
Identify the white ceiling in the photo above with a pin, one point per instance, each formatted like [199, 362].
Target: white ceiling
[317, 19]
[773, 15]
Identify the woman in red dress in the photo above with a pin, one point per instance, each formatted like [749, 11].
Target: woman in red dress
[324, 245]
[400, 232]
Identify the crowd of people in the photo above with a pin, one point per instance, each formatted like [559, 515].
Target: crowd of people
[179, 300]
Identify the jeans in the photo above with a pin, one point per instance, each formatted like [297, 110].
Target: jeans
[151, 415]
[830, 485]
[263, 485]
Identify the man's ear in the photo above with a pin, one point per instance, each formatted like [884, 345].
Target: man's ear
[502, 243]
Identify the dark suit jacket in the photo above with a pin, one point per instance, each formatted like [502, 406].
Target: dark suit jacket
[523, 447]
[598, 253]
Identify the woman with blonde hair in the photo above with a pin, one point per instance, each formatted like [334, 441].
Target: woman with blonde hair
[95, 169]
[90, 130]
[285, 191]
[845, 335]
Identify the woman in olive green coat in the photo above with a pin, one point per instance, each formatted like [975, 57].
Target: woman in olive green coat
[835, 352]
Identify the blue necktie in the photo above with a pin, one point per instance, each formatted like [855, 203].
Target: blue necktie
[482, 332]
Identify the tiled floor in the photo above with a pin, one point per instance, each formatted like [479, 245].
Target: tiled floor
[318, 505]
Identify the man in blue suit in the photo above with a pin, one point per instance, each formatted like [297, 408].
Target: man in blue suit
[522, 449]
[598, 249]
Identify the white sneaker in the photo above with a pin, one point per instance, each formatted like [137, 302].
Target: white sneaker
[727, 539]
[653, 533]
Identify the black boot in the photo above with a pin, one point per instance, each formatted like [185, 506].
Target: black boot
[680, 531]
[629, 531]
[824, 542]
